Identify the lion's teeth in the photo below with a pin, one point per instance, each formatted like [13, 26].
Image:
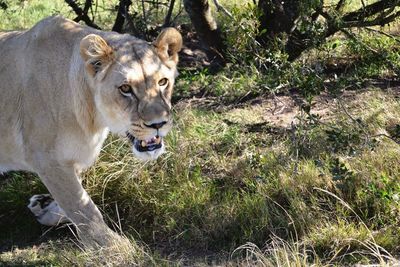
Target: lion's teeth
[158, 140]
[143, 143]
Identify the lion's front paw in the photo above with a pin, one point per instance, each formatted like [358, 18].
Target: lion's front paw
[46, 210]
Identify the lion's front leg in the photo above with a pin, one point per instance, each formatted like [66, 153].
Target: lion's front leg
[63, 184]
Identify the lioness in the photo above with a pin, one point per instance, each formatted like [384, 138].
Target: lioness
[63, 88]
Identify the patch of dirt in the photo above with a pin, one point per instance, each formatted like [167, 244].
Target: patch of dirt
[279, 110]
[193, 54]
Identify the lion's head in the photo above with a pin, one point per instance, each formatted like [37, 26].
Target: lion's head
[133, 82]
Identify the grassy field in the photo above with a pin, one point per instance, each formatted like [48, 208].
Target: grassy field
[292, 167]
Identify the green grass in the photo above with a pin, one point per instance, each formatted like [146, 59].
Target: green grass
[22, 15]
[237, 187]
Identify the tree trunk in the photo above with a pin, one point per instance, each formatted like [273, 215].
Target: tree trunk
[206, 27]
[277, 17]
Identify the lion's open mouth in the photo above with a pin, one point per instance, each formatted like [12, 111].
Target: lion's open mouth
[146, 145]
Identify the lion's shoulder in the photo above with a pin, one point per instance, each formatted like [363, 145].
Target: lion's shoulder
[56, 28]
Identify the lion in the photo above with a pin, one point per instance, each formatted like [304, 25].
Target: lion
[63, 88]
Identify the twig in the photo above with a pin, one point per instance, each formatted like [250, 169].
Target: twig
[357, 122]
[353, 37]
[347, 113]
[179, 12]
[144, 13]
[296, 145]
[363, 4]
[276, 99]
[387, 136]
[222, 8]
[383, 33]
[156, 4]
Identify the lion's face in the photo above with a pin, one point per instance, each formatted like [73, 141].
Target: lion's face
[133, 83]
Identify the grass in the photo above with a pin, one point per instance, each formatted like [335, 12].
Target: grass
[219, 187]
[22, 15]
[240, 185]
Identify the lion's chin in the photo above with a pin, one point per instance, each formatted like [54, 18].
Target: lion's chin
[148, 155]
[147, 150]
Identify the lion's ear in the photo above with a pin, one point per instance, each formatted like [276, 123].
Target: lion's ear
[96, 53]
[168, 44]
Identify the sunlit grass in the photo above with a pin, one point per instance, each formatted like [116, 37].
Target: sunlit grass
[22, 15]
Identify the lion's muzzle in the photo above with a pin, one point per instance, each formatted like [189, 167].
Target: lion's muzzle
[148, 149]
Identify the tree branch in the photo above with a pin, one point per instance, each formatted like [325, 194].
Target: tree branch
[340, 5]
[81, 15]
[378, 21]
[222, 8]
[383, 33]
[3, 5]
[167, 20]
[122, 14]
[370, 10]
[277, 17]
[358, 18]
[88, 5]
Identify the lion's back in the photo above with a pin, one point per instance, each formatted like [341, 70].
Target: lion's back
[25, 54]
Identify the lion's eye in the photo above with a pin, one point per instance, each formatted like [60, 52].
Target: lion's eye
[163, 82]
[125, 90]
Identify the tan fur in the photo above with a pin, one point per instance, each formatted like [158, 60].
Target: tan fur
[168, 44]
[60, 98]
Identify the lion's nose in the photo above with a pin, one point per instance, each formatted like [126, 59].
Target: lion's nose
[156, 125]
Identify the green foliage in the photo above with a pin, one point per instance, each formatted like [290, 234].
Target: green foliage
[376, 57]
[344, 140]
[388, 189]
[333, 65]
[241, 40]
